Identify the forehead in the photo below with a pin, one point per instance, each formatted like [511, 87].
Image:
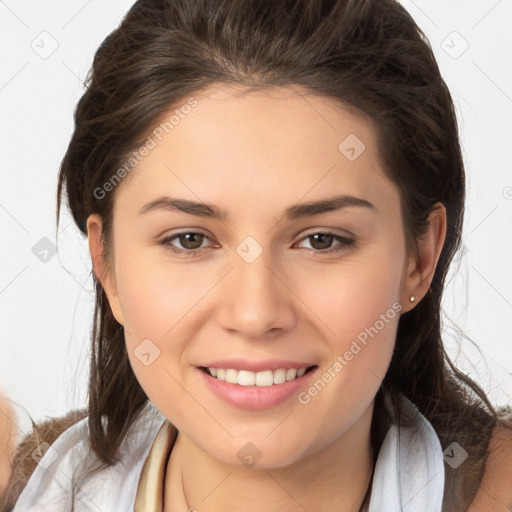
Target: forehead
[253, 144]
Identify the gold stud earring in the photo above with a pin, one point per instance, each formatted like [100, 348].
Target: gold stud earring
[411, 298]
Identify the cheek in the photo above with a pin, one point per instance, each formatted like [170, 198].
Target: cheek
[156, 310]
[150, 303]
[359, 309]
[154, 295]
[161, 306]
[354, 297]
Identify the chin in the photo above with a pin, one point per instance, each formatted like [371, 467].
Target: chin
[257, 455]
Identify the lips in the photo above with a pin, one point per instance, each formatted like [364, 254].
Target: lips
[256, 396]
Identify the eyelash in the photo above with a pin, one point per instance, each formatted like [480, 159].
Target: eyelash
[345, 243]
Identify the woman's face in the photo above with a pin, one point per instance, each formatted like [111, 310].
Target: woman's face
[266, 286]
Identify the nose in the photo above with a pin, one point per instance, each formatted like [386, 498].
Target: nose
[256, 300]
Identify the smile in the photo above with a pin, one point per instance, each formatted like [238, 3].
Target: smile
[262, 379]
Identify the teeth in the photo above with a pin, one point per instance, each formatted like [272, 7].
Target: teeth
[280, 376]
[291, 374]
[245, 378]
[264, 378]
[231, 376]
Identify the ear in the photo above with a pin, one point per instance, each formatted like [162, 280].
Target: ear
[421, 267]
[104, 273]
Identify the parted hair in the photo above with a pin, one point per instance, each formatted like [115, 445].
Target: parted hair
[370, 56]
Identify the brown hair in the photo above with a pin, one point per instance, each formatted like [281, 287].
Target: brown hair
[366, 54]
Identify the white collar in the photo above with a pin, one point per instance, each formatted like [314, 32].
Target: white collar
[408, 475]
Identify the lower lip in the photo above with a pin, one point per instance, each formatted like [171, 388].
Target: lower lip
[255, 398]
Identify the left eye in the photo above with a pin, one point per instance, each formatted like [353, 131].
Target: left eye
[192, 242]
[320, 240]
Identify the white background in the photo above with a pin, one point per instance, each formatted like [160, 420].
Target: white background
[46, 306]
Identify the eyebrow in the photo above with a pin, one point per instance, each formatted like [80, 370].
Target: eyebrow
[294, 212]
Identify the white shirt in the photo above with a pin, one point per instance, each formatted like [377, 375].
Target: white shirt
[408, 475]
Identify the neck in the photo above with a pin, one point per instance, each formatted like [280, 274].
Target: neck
[335, 477]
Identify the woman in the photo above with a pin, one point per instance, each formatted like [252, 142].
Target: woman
[272, 194]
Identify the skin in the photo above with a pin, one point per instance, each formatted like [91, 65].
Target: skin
[8, 440]
[495, 492]
[254, 155]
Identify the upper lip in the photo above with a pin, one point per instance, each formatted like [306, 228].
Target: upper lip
[256, 366]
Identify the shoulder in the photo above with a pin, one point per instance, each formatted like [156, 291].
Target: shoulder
[8, 439]
[57, 459]
[31, 449]
[495, 491]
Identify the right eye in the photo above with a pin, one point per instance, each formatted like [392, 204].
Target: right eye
[190, 241]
